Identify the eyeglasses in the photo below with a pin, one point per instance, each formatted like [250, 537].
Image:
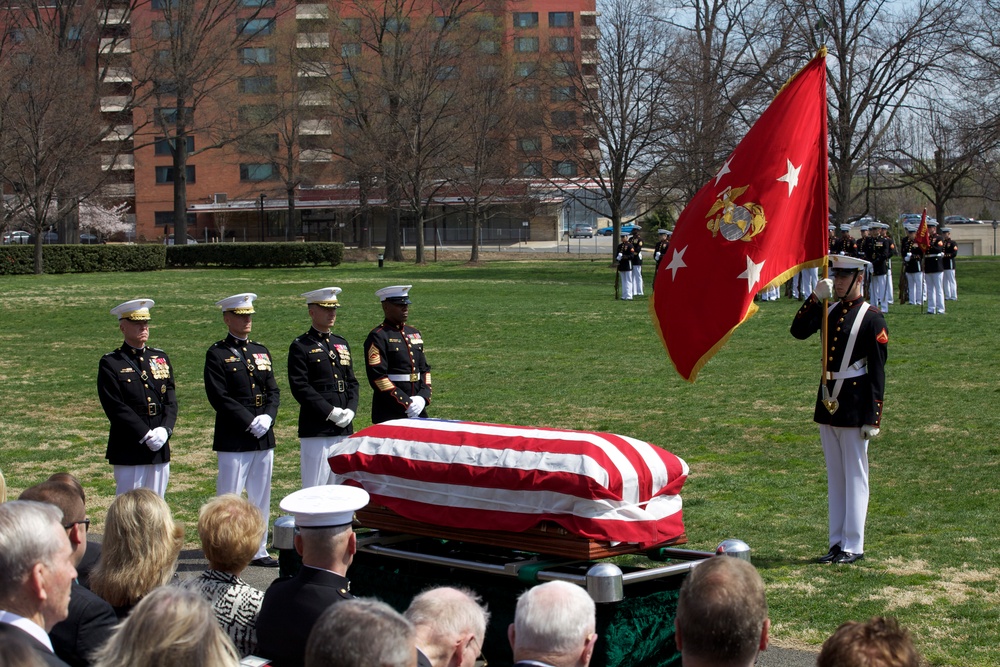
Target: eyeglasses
[85, 522]
[481, 660]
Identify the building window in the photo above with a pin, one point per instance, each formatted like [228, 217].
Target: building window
[530, 168]
[260, 171]
[165, 88]
[256, 3]
[163, 218]
[525, 69]
[486, 22]
[560, 19]
[257, 84]
[525, 19]
[164, 30]
[253, 27]
[529, 144]
[163, 4]
[563, 69]
[350, 49]
[561, 143]
[257, 114]
[442, 22]
[166, 174]
[445, 72]
[351, 25]
[163, 146]
[257, 55]
[527, 93]
[162, 57]
[564, 168]
[489, 46]
[168, 115]
[525, 44]
[563, 118]
[396, 26]
[562, 93]
[561, 44]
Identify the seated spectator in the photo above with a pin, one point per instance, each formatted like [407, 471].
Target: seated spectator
[141, 546]
[93, 551]
[36, 573]
[361, 633]
[553, 625]
[230, 528]
[722, 614]
[15, 649]
[170, 627]
[880, 642]
[450, 624]
[91, 619]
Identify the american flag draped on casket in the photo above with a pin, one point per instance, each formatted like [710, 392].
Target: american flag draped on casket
[599, 486]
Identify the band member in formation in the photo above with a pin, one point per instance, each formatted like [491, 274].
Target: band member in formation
[321, 377]
[934, 271]
[397, 369]
[844, 244]
[624, 256]
[241, 387]
[636, 241]
[913, 256]
[950, 253]
[882, 250]
[135, 384]
[662, 246]
[849, 401]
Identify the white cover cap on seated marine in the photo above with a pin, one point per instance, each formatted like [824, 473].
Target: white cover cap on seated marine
[241, 304]
[326, 506]
[325, 297]
[136, 310]
[395, 294]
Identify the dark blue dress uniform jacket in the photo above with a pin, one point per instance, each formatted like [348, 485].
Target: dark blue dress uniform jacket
[240, 393]
[321, 376]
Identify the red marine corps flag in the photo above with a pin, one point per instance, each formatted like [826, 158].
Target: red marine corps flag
[762, 218]
[923, 237]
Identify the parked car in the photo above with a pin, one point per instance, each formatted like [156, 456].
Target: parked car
[88, 238]
[581, 231]
[191, 240]
[960, 220]
[16, 238]
[47, 237]
[608, 231]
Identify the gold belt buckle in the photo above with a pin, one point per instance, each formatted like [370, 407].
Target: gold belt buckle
[151, 409]
[258, 400]
[414, 377]
[340, 386]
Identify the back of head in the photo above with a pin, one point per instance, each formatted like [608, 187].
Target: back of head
[445, 617]
[30, 533]
[230, 528]
[71, 480]
[326, 547]
[140, 548]
[880, 642]
[361, 633]
[60, 494]
[722, 612]
[170, 626]
[15, 649]
[553, 618]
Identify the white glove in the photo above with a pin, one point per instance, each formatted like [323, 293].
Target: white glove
[908, 257]
[158, 439]
[656, 257]
[145, 438]
[824, 289]
[417, 405]
[619, 257]
[640, 256]
[346, 417]
[260, 425]
[868, 431]
[335, 415]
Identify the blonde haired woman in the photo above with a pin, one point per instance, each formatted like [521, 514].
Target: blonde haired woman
[230, 528]
[139, 552]
[171, 626]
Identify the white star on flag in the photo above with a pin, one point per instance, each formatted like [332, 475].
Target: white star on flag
[792, 177]
[723, 171]
[752, 274]
[677, 262]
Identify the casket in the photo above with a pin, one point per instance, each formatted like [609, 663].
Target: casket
[577, 494]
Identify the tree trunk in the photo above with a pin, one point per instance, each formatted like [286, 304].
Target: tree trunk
[477, 225]
[180, 175]
[290, 194]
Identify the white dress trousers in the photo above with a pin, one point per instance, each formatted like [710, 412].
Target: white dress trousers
[935, 292]
[250, 471]
[313, 457]
[637, 280]
[915, 288]
[153, 476]
[950, 285]
[846, 453]
[881, 292]
[626, 279]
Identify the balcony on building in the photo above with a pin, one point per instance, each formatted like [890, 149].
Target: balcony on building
[115, 45]
[119, 133]
[590, 58]
[315, 155]
[114, 103]
[116, 16]
[315, 69]
[314, 98]
[122, 190]
[123, 162]
[315, 127]
[312, 40]
[117, 75]
[305, 12]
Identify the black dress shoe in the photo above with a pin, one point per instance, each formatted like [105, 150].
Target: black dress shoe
[265, 561]
[830, 555]
[846, 558]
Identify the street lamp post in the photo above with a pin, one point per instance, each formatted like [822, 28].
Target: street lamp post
[260, 215]
[996, 223]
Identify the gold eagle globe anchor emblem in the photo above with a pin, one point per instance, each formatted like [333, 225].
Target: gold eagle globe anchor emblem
[736, 221]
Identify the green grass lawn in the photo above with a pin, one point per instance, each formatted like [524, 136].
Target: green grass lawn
[544, 343]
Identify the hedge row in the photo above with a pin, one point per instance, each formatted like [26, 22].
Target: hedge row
[20, 259]
[252, 255]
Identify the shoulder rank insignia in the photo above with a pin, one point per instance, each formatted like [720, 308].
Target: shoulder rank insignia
[374, 358]
[883, 336]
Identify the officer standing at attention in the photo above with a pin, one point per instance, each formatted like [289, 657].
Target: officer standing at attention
[624, 256]
[136, 386]
[950, 253]
[661, 249]
[321, 377]
[882, 251]
[913, 255]
[845, 245]
[934, 271]
[849, 401]
[636, 241]
[240, 385]
[397, 369]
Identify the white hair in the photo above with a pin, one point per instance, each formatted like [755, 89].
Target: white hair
[555, 617]
[449, 612]
[30, 533]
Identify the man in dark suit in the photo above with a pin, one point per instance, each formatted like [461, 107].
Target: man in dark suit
[327, 544]
[90, 619]
[321, 377]
[136, 386]
[546, 631]
[36, 572]
[241, 387]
